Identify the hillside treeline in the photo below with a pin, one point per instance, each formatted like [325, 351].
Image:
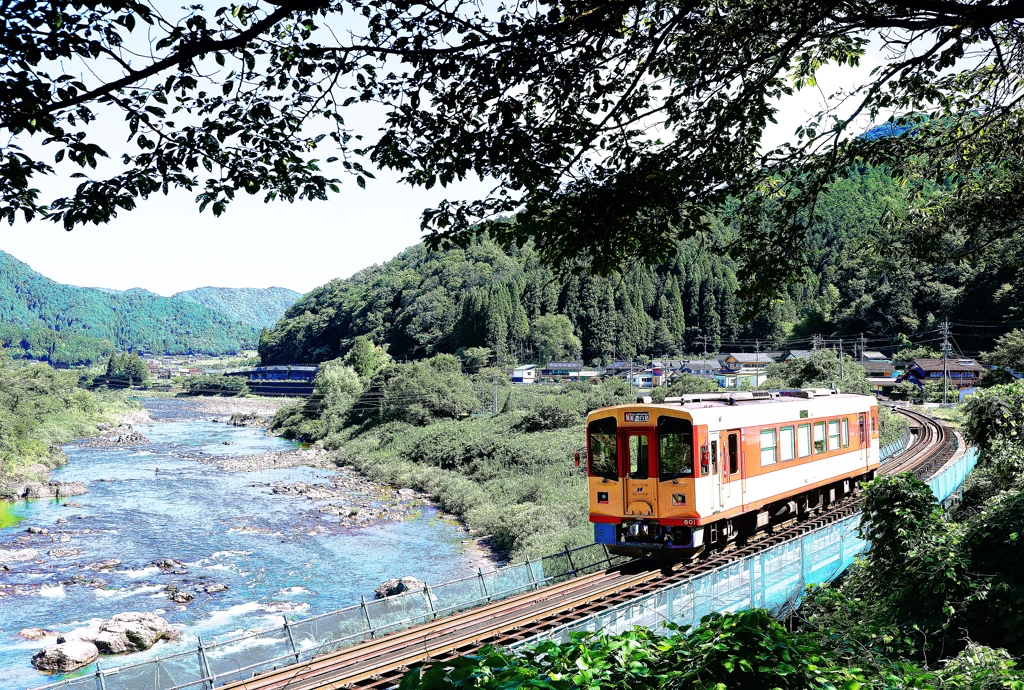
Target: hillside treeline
[860, 281]
[43, 319]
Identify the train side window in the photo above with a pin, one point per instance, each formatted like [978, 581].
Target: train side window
[846, 432]
[803, 439]
[603, 450]
[819, 437]
[769, 450]
[860, 419]
[787, 443]
[734, 454]
[833, 435]
[638, 458]
[675, 448]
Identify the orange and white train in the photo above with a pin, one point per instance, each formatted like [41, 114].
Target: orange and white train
[704, 470]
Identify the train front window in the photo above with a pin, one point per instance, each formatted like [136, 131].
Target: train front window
[638, 465]
[675, 448]
[604, 455]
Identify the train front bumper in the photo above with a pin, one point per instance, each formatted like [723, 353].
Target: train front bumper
[646, 536]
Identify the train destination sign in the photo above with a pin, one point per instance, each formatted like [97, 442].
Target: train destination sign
[638, 416]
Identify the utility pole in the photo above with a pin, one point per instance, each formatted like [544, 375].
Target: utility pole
[704, 362]
[842, 377]
[815, 342]
[494, 401]
[631, 377]
[863, 346]
[944, 329]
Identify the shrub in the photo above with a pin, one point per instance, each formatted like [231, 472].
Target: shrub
[216, 384]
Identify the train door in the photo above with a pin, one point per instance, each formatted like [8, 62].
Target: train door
[865, 446]
[731, 462]
[715, 473]
[640, 485]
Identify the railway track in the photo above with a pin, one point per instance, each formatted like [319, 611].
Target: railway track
[380, 663]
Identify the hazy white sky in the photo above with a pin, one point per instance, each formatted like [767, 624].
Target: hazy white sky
[167, 246]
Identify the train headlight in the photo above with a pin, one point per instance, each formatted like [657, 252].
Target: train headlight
[679, 499]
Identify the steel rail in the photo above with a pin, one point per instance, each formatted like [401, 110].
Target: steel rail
[380, 663]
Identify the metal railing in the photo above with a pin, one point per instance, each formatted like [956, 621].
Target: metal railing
[240, 657]
[891, 450]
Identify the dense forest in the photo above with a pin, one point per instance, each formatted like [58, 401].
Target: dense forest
[860, 281]
[65, 324]
[258, 307]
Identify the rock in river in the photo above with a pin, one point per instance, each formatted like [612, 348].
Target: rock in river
[66, 656]
[36, 633]
[125, 632]
[397, 585]
[15, 555]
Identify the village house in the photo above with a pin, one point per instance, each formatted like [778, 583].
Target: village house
[964, 373]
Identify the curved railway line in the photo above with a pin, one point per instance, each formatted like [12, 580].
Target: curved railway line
[380, 663]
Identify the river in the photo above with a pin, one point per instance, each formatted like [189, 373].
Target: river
[275, 553]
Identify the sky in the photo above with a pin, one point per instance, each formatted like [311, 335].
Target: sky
[166, 245]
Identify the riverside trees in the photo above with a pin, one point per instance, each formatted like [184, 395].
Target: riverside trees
[552, 100]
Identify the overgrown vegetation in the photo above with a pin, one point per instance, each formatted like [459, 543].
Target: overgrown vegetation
[40, 409]
[509, 475]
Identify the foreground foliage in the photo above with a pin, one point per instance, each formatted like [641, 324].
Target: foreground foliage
[553, 101]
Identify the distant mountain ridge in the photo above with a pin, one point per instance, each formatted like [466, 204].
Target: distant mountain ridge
[66, 324]
[258, 307]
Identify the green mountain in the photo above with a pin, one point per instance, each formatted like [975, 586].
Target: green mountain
[65, 324]
[860, 281]
[258, 307]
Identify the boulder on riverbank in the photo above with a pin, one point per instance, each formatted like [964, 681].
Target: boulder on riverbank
[66, 656]
[123, 435]
[310, 457]
[21, 490]
[398, 585]
[251, 420]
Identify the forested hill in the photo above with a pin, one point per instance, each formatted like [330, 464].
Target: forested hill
[44, 319]
[860, 282]
[258, 307]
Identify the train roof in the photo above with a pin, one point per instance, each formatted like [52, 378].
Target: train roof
[823, 400]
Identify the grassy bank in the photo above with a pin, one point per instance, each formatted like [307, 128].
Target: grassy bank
[41, 409]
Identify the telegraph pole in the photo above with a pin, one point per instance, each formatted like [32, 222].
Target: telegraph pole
[494, 401]
[842, 377]
[704, 362]
[815, 342]
[863, 346]
[944, 329]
